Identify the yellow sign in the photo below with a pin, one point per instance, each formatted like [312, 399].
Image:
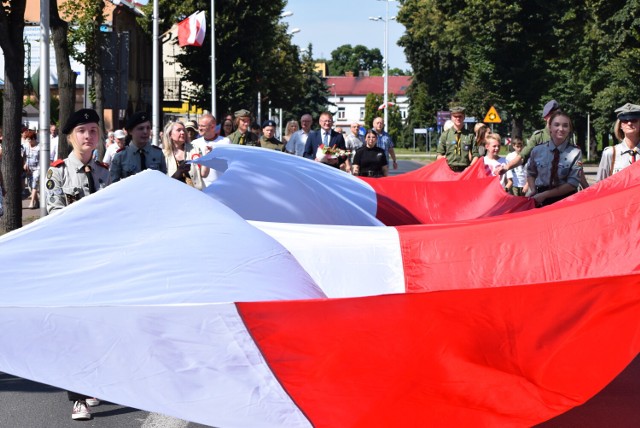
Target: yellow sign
[492, 116]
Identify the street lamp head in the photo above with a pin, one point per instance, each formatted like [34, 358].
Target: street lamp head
[376, 18]
[294, 31]
[286, 14]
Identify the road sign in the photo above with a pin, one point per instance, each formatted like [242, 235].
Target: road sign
[492, 116]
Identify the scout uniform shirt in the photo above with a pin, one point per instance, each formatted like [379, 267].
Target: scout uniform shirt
[569, 167]
[621, 155]
[67, 181]
[246, 139]
[127, 161]
[456, 147]
[272, 143]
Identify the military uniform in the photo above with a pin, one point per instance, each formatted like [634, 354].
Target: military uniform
[458, 147]
[272, 143]
[68, 182]
[538, 137]
[246, 139]
[127, 161]
[615, 159]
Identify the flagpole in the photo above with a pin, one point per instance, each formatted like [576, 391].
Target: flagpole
[213, 60]
[155, 85]
[44, 103]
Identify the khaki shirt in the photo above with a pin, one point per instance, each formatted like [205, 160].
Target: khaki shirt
[457, 148]
[273, 143]
[250, 139]
[126, 162]
[622, 159]
[67, 182]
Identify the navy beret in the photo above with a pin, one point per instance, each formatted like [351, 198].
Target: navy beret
[268, 123]
[81, 117]
[137, 119]
[549, 108]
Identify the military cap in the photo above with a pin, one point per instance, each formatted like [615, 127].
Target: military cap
[268, 123]
[457, 109]
[81, 117]
[628, 111]
[549, 108]
[137, 119]
[242, 113]
[191, 125]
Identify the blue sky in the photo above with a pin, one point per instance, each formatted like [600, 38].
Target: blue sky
[328, 24]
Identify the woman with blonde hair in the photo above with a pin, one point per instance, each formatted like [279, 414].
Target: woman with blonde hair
[292, 126]
[177, 151]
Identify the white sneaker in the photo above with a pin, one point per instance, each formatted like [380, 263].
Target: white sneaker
[80, 411]
[92, 402]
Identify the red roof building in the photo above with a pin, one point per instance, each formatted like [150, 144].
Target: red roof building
[349, 93]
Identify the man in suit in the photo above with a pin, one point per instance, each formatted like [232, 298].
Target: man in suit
[330, 138]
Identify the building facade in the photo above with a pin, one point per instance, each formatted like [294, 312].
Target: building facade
[348, 93]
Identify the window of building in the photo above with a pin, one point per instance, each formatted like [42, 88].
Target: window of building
[341, 113]
[361, 113]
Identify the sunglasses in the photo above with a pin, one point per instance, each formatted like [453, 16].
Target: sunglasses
[633, 120]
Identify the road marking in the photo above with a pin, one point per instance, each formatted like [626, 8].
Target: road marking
[156, 420]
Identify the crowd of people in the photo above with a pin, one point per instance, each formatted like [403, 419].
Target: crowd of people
[549, 167]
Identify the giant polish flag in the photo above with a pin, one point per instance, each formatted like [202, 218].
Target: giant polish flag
[205, 317]
[192, 30]
[266, 185]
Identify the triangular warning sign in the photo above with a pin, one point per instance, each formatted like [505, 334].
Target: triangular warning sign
[492, 116]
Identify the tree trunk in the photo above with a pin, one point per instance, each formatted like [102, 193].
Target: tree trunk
[66, 76]
[11, 41]
[516, 128]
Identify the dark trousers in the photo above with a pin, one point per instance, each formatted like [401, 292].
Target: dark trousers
[74, 396]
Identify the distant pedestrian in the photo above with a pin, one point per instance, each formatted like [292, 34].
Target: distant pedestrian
[268, 139]
[177, 151]
[31, 166]
[243, 135]
[384, 141]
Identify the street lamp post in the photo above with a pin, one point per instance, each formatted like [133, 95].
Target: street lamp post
[386, 59]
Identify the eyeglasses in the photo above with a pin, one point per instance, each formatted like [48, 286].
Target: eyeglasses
[633, 120]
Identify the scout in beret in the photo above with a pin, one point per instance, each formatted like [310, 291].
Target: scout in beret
[140, 154]
[137, 119]
[626, 153]
[80, 117]
[549, 108]
[78, 175]
[268, 139]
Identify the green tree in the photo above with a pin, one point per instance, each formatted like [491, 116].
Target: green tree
[314, 94]
[11, 33]
[253, 54]
[346, 58]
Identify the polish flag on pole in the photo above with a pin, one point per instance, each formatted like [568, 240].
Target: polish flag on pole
[192, 30]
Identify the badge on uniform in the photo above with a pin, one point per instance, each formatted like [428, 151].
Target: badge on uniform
[467, 147]
[49, 173]
[50, 183]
